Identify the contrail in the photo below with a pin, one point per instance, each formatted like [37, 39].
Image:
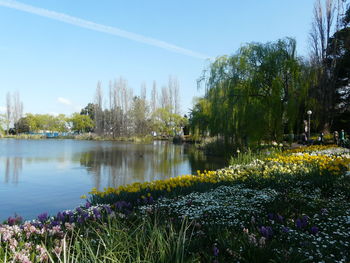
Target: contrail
[100, 28]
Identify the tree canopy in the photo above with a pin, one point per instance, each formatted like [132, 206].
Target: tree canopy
[254, 94]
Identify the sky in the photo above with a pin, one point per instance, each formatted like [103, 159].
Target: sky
[54, 52]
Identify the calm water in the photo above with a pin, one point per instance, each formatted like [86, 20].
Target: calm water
[50, 175]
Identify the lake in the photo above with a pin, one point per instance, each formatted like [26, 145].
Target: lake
[50, 175]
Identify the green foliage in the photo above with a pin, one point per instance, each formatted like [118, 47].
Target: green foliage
[339, 47]
[140, 116]
[167, 123]
[250, 155]
[81, 123]
[89, 110]
[2, 124]
[252, 95]
[118, 241]
[41, 122]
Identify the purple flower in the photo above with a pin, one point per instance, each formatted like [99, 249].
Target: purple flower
[81, 220]
[279, 218]
[266, 232]
[70, 213]
[314, 230]
[11, 221]
[67, 213]
[302, 222]
[324, 211]
[97, 213]
[285, 229]
[270, 216]
[151, 200]
[120, 205]
[85, 215]
[298, 223]
[108, 209]
[87, 204]
[215, 251]
[71, 218]
[38, 225]
[42, 217]
[14, 220]
[54, 223]
[60, 217]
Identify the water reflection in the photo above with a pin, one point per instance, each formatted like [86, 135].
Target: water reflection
[107, 163]
[199, 161]
[13, 168]
[51, 175]
[124, 164]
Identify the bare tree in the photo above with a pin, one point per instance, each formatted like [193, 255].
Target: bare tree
[124, 114]
[176, 92]
[323, 27]
[126, 98]
[154, 97]
[174, 96]
[143, 92]
[98, 109]
[17, 107]
[171, 93]
[8, 116]
[164, 98]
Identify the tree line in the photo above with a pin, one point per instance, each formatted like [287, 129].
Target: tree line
[120, 113]
[264, 90]
[126, 114]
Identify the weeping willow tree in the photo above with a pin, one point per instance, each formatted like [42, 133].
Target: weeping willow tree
[256, 94]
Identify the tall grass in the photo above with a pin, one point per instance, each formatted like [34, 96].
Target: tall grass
[115, 241]
[250, 155]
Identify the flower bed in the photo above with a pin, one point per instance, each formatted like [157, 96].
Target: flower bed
[292, 206]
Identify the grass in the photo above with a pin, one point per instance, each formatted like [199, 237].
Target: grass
[250, 155]
[116, 241]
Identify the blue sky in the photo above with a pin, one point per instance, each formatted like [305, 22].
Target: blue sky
[55, 65]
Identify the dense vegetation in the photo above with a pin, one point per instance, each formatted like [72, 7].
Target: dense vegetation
[264, 90]
[291, 206]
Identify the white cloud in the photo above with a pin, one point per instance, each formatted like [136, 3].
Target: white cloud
[64, 101]
[68, 106]
[54, 113]
[100, 28]
[2, 109]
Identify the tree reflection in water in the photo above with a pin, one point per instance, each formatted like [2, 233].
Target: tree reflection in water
[13, 168]
[128, 163]
[109, 163]
[199, 161]
[50, 175]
